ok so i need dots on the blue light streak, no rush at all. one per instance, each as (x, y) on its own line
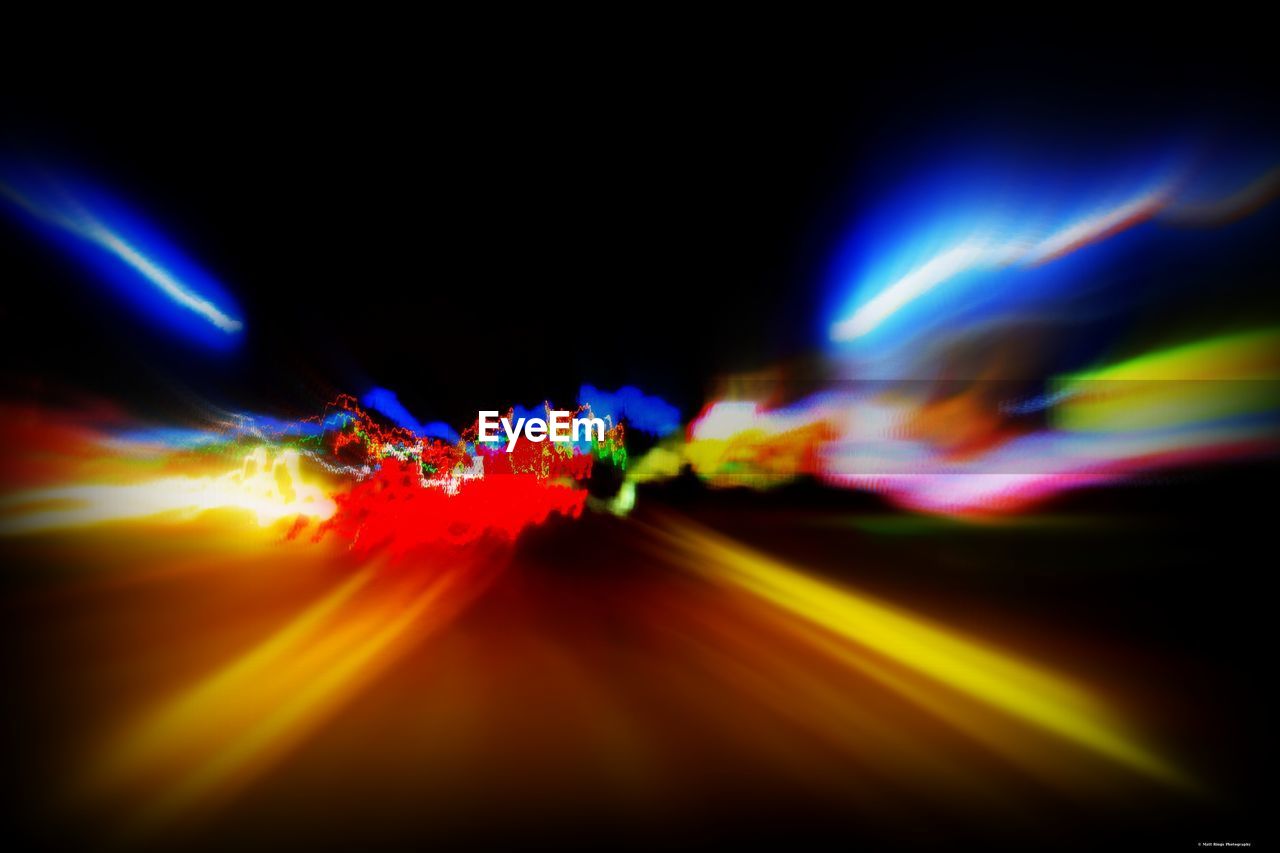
(125, 251)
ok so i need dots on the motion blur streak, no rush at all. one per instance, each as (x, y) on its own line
(271, 486)
(167, 284)
(214, 738)
(984, 251)
(1215, 379)
(1096, 227)
(1245, 355)
(915, 283)
(1229, 207)
(1023, 691)
(968, 449)
(54, 207)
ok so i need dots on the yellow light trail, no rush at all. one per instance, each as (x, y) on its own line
(1227, 376)
(1026, 692)
(200, 747)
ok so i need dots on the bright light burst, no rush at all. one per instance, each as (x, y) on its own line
(269, 485)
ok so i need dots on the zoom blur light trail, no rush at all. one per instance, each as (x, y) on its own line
(121, 248)
(982, 238)
(269, 485)
(1022, 691)
(976, 452)
(197, 747)
(382, 488)
(991, 253)
(1222, 379)
(395, 510)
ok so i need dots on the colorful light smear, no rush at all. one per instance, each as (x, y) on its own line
(941, 408)
(929, 447)
(416, 527)
(383, 488)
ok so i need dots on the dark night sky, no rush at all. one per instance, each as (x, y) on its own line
(474, 233)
